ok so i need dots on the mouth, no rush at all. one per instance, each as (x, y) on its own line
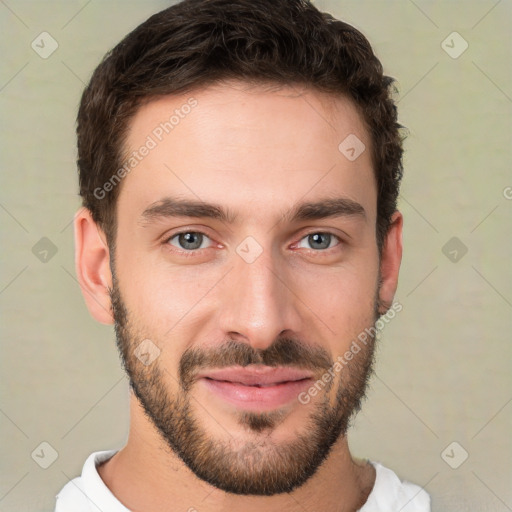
(256, 388)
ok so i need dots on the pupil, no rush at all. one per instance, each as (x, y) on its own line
(188, 240)
(317, 239)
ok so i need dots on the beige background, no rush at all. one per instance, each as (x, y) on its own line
(444, 370)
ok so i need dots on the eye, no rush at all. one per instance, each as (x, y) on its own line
(319, 240)
(188, 240)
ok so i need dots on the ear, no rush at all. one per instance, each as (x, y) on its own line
(92, 264)
(390, 262)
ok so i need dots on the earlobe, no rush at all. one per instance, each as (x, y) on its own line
(92, 264)
(391, 257)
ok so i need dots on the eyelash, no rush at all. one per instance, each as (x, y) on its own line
(191, 253)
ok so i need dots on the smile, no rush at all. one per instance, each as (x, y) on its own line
(256, 388)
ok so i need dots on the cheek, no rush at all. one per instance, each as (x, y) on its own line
(344, 299)
(165, 302)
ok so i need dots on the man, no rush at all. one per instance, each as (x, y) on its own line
(239, 166)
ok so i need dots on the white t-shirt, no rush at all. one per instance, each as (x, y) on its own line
(88, 493)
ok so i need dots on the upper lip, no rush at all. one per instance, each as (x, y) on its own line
(256, 375)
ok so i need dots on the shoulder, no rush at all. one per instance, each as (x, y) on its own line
(81, 493)
(389, 494)
(72, 497)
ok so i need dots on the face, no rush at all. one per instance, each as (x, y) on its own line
(246, 264)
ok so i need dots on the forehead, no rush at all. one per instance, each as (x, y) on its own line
(253, 148)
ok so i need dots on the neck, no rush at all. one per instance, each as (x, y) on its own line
(147, 475)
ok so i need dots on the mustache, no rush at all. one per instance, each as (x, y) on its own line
(283, 352)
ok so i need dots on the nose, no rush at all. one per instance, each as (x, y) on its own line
(258, 303)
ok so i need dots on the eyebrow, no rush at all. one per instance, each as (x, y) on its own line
(317, 210)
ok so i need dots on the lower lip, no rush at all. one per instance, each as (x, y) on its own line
(257, 398)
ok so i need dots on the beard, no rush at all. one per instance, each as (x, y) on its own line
(256, 465)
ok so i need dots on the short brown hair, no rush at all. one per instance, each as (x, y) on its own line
(197, 43)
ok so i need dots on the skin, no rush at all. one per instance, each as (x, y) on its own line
(258, 152)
